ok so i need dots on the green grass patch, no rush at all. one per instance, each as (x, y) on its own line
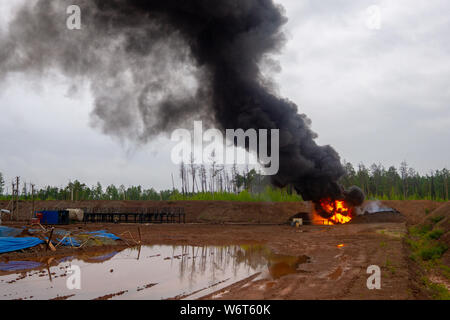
(390, 266)
(390, 233)
(420, 230)
(438, 291)
(432, 252)
(435, 234)
(436, 219)
(445, 270)
(269, 195)
(424, 243)
(426, 248)
(427, 251)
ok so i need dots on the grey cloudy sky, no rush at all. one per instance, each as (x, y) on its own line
(376, 95)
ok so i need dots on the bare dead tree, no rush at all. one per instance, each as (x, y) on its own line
(234, 173)
(193, 169)
(213, 170)
(227, 181)
(182, 176)
(247, 178)
(220, 178)
(203, 178)
(404, 176)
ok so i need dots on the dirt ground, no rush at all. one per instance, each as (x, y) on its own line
(338, 256)
(334, 271)
(414, 211)
(196, 211)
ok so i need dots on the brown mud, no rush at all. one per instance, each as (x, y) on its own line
(329, 262)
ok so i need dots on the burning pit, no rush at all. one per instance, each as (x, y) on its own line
(330, 211)
(334, 211)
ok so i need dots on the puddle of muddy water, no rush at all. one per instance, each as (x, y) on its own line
(148, 272)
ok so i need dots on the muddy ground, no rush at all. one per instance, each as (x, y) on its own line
(338, 255)
(334, 271)
(218, 211)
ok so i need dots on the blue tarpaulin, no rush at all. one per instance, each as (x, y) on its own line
(71, 241)
(9, 244)
(104, 234)
(9, 232)
(59, 236)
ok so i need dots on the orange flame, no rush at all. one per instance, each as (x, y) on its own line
(341, 213)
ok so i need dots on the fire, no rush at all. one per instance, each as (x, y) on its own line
(339, 211)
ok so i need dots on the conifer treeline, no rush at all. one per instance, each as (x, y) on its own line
(377, 182)
(397, 183)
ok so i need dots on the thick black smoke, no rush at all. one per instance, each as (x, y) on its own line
(153, 65)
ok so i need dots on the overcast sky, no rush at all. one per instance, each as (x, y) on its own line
(376, 93)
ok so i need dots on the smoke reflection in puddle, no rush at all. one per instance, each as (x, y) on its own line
(148, 272)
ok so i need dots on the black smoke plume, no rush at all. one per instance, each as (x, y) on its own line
(153, 65)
